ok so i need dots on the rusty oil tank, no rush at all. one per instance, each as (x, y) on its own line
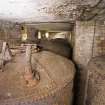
(54, 88)
(96, 82)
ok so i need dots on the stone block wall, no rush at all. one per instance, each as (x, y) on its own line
(83, 46)
(32, 33)
(10, 32)
(99, 39)
(83, 43)
(89, 42)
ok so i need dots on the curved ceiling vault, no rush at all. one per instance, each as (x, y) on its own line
(49, 10)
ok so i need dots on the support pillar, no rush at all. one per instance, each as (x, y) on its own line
(83, 49)
(29, 74)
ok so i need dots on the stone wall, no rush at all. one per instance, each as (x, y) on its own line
(83, 44)
(10, 32)
(99, 39)
(32, 33)
(89, 42)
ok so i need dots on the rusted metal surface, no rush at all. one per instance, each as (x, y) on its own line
(96, 82)
(55, 86)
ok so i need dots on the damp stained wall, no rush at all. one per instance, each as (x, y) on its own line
(89, 42)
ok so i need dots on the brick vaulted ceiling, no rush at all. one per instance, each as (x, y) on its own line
(51, 10)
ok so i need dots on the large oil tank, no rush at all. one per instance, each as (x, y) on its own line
(96, 82)
(58, 46)
(54, 88)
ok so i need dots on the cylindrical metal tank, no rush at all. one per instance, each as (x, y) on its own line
(96, 81)
(54, 88)
(58, 46)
